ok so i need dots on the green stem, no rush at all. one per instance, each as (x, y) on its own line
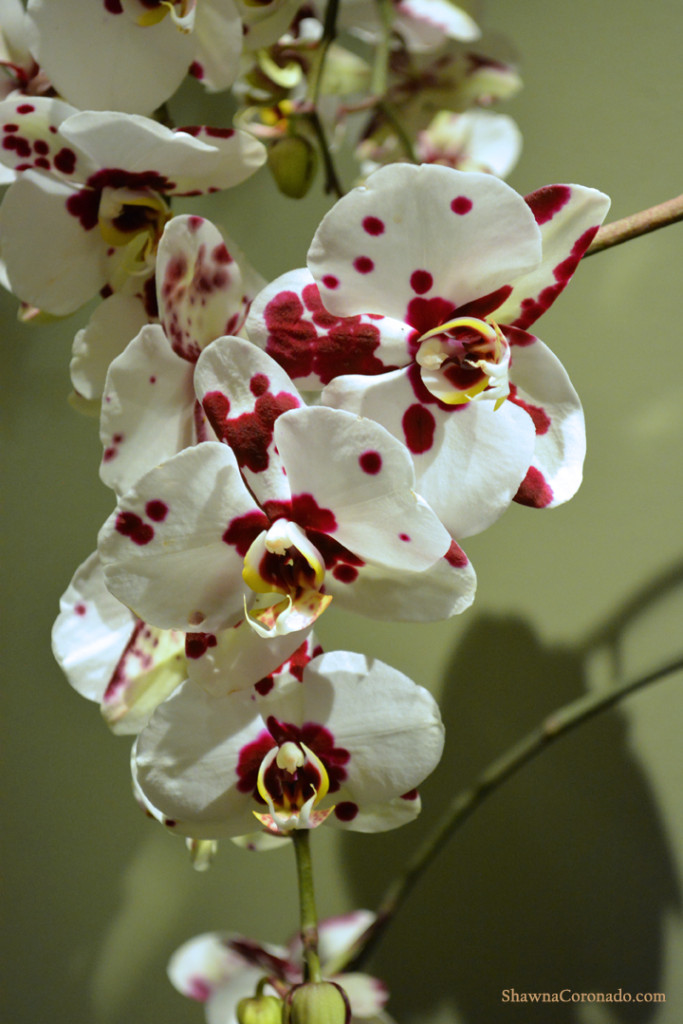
(380, 68)
(465, 803)
(332, 182)
(401, 134)
(637, 224)
(307, 911)
(329, 33)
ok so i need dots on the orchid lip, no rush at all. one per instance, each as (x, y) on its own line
(457, 370)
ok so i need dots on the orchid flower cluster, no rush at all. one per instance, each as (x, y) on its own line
(281, 449)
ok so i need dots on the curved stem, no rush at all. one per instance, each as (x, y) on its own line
(465, 803)
(307, 910)
(329, 33)
(637, 224)
(332, 182)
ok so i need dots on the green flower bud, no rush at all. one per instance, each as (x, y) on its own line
(292, 161)
(259, 1010)
(320, 1002)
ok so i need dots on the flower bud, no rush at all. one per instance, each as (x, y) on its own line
(259, 1010)
(320, 1002)
(292, 161)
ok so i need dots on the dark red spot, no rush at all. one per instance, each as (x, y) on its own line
(534, 490)
(373, 225)
(412, 794)
(220, 253)
(128, 524)
(84, 205)
(197, 644)
(242, 531)
(346, 346)
(540, 417)
(259, 384)
(80, 609)
(424, 314)
(363, 264)
(484, 306)
(220, 133)
(461, 205)
(194, 223)
(25, 108)
(305, 511)
(113, 6)
(370, 462)
(264, 685)
(40, 161)
(156, 510)
(421, 281)
(455, 556)
(330, 281)
(346, 810)
(547, 201)
(116, 177)
(10, 128)
(250, 434)
(40, 146)
(345, 573)
(196, 70)
(403, 536)
(418, 427)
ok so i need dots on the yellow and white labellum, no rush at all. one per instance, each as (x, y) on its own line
(296, 807)
(438, 350)
(182, 13)
(131, 223)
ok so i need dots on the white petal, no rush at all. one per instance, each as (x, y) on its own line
(362, 479)
(436, 236)
(569, 217)
(112, 325)
(287, 320)
(444, 590)
(218, 44)
(186, 761)
(399, 739)
(469, 460)
(121, 65)
(173, 551)
(243, 392)
(52, 261)
(199, 285)
(181, 162)
(147, 409)
(238, 659)
(110, 656)
(31, 138)
(544, 391)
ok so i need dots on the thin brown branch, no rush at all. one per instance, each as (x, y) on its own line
(637, 224)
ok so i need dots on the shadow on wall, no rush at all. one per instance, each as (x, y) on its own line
(560, 881)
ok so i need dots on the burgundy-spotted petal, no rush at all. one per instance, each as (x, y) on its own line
(173, 550)
(177, 162)
(469, 460)
(289, 321)
(148, 411)
(568, 217)
(542, 388)
(243, 393)
(431, 232)
(199, 285)
(364, 478)
(52, 260)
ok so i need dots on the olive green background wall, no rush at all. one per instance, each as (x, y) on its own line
(571, 876)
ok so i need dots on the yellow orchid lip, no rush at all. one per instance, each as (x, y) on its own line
(291, 806)
(182, 13)
(440, 354)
